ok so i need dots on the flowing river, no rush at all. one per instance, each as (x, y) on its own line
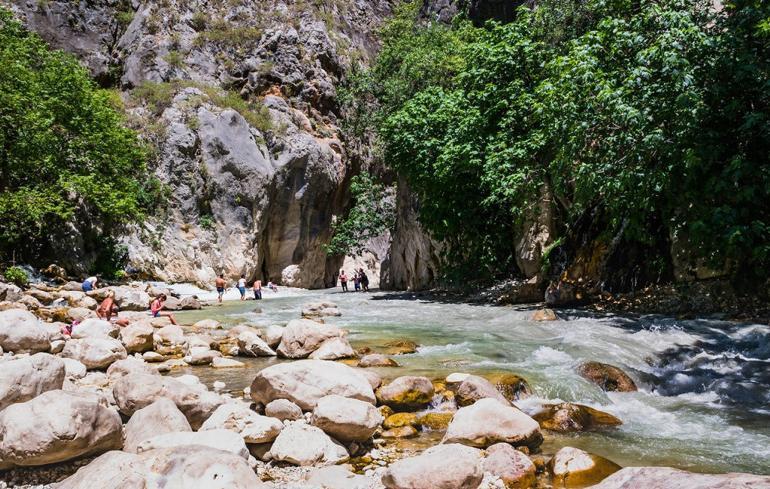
(704, 385)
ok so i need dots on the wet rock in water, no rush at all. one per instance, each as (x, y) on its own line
(608, 377)
(400, 347)
(488, 421)
(568, 417)
(190, 304)
(398, 420)
(56, 426)
(169, 340)
(153, 357)
(441, 467)
(208, 324)
(224, 440)
(23, 379)
(237, 417)
(400, 432)
(136, 391)
(283, 409)
(304, 382)
(250, 344)
(220, 362)
(376, 360)
(336, 477)
(456, 378)
(514, 468)
(129, 365)
(305, 445)
(406, 393)
(160, 417)
(301, 337)
(668, 478)
(137, 337)
(333, 349)
(193, 466)
(474, 388)
(320, 309)
(95, 353)
(346, 419)
(435, 421)
(511, 386)
(572, 467)
(22, 332)
(544, 315)
(95, 328)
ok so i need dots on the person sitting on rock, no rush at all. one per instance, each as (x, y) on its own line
(156, 308)
(108, 307)
(89, 284)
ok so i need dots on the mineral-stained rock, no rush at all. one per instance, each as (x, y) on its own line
(406, 393)
(572, 467)
(544, 315)
(567, 417)
(346, 419)
(400, 347)
(304, 445)
(398, 420)
(162, 416)
(376, 360)
(435, 421)
(400, 432)
(608, 377)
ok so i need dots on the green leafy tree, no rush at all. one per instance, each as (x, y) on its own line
(65, 155)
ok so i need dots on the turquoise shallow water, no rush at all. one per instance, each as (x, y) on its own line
(703, 402)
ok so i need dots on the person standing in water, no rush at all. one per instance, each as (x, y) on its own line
(356, 281)
(220, 283)
(343, 281)
(156, 308)
(242, 287)
(364, 280)
(257, 290)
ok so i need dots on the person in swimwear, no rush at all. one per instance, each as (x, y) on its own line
(220, 284)
(108, 308)
(156, 308)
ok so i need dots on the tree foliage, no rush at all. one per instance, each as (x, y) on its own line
(64, 151)
(649, 111)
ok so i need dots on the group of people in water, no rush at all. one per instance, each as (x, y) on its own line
(221, 284)
(359, 278)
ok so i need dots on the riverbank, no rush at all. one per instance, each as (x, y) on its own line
(665, 421)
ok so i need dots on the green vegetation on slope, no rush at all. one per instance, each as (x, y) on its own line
(649, 117)
(65, 156)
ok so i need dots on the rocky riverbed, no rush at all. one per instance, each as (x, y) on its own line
(240, 399)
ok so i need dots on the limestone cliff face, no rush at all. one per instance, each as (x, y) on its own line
(240, 99)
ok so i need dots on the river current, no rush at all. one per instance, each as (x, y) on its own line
(704, 385)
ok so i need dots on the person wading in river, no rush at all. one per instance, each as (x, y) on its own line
(343, 281)
(221, 284)
(364, 280)
(257, 290)
(242, 287)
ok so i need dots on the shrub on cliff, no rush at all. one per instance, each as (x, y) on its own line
(66, 157)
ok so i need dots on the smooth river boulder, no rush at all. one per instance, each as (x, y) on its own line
(252, 345)
(513, 467)
(283, 409)
(304, 382)
(572, 467)
(668, 478)
(376, 360)
(26, 378)
(160, 417)
(193, 466)
(130, 365)
(169, 340)
(320, 309)
(22, 332)
(488, 421)
(224, 440)
(305, 445)
(95, 328)
(301, 337)
(57, 426)
(333, 349)
(136, 391)
(441, 467)
(95, 353)
(568, 417)
(474, 388)
(137, 337)
(346, 419)
(237, 417)
(406, 393)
